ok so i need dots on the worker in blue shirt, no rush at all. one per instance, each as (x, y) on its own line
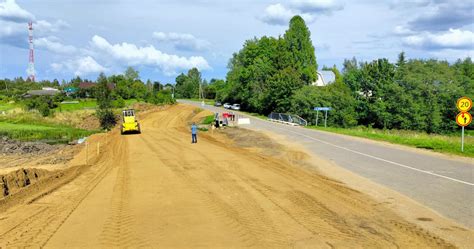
(194, 133)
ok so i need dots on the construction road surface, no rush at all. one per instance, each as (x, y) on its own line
(159, 190)
(443, 184)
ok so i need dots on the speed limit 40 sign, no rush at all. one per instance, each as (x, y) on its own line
(464, 104)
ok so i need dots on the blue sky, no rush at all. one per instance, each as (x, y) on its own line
(163, 38)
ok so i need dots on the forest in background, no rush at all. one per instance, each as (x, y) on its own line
(275, 75)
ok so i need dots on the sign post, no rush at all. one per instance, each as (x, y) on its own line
(464, 118)
(326, 109)
(317, 117)
(326, 119)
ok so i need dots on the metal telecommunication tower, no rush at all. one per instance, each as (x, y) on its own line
(31, 63)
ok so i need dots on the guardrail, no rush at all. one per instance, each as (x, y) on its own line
(286, 118)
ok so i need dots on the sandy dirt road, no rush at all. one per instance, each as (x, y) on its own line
(159, 190)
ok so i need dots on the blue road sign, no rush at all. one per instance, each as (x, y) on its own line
(322, 108)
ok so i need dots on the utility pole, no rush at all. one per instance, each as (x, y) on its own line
(31, 62)
(201, 94)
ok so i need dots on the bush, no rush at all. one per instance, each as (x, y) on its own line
(43, 104)
(162, 97)
(118, 102)
(44, 109)
(106, 118)
(208, 119)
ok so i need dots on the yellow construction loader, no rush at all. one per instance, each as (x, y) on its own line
(130, 123)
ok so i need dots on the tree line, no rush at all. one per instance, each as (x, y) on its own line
(110, 92)
(276, 74)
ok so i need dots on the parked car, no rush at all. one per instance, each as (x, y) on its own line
(217, 103)
(227, 106)
(235, 107)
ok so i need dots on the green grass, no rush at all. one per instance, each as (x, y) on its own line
(260, 116)
(44, 132)
(208, 120)
(447, 144)
(129, 102)
(82, 105)
(86, 104)
(5, 106)
(206, 101)
(203, 129)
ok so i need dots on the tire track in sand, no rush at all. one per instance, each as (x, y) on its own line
(243, 214)
(118, 228)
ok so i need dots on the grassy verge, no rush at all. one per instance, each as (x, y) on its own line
(208, 120)
(86, 104)
(32, 127)
(82, 105)
(256, 115)
(6, 106)
(42, 132)
(447, 144)
(206, 101)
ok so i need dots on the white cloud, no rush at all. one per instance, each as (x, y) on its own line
(182, 41)
(279, 14)
(452, 54)
(54, 45)
(408, 4)
(14, 25)
(9, 29)
(42, 27)
(316, 6)
(402, 30)
(149, 56)
(11, 11)
(452, 39)
(80, 66)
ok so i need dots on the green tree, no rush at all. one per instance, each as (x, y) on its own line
(131, 74)
(104, 103)
(187, 86)
(301, 50)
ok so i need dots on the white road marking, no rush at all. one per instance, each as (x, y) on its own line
(364, 154)
(378, 158)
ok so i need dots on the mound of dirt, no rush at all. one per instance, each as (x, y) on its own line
(14, 181)
(90, 122)
(9, 146)
(251, 139)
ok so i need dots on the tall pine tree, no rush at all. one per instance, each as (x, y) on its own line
(301, 50)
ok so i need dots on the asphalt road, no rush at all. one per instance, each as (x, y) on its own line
(444, 185)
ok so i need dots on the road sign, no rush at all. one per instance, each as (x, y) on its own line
(326, 109)
(463, 119)
(464, 104)
(322, 108)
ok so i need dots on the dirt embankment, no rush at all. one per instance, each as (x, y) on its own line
(15, 147)
(15, 154)
(13, 182)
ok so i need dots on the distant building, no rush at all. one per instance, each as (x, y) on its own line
(50, 89)
(325, 78)
(70, 90)
(88, 85)
(45, 91)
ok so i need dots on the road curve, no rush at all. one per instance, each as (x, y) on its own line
(442, 184)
